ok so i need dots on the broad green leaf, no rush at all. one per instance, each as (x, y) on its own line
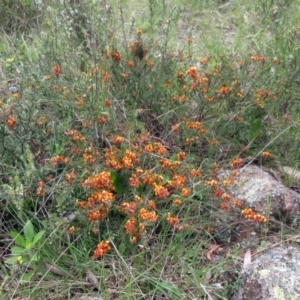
(118, 183)
(35, 257)
(254, 129)
(122, 248)
(17, 250)
(26, 258)
(12, 260)
(26, 277)
(37, 237)
(28, 232)
(166, 178)
(28, 246)
(18, 238)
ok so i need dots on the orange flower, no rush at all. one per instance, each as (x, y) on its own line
(176, 202)
(185, 192)
(251, 215)
(159, 148)
(168, 83)
(237, 163)
(139, 31)
(107, 103)
(148, 216)
(101, 249)
(138, 49)
(204, 60)
(237, 203)
(97, 215)
(101, 120)
(99, 181)
(151, 204)
(226, 197)
(56, 70)
(57, 160)
(211, 182)
(149, 63)
(81, 204)
(103, 197)
(117, 56)
(224, 206)
(70, 177)
(11, 122)
(134, 181)
(149, 148)
(224, 90)
(129, 208)
(217, 192)
(118, 140)
(175, 128)
(192, 72)
(71, 230)
(40, 191)
(266, 154)
(95, 230)
(173, 221)
(130, 226)
(161, 191)
(195, 173)
(181, 155)
(130, 63)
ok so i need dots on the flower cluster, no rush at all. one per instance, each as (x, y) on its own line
(102, 248)
(255, 217)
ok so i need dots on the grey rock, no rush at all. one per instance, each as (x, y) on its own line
(13, 89)
(273, 276)
(258, 190)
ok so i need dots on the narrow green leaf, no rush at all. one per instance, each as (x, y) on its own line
(56, 134)
(254, 129)
(294, 77)
(18, 238)
(28, 232)
(37, 237)
(166, 288)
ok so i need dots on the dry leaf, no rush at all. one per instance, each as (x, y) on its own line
(91, 278)
(247, 258)
(69, 218)
(291, 172)
(54, 270)
(208, 277)
(211, 251)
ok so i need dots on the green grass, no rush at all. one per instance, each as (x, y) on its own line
(118, 94)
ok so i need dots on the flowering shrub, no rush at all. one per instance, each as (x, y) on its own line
(135, 136)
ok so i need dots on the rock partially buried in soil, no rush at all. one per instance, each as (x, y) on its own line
(273, 276)
(258, 190)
